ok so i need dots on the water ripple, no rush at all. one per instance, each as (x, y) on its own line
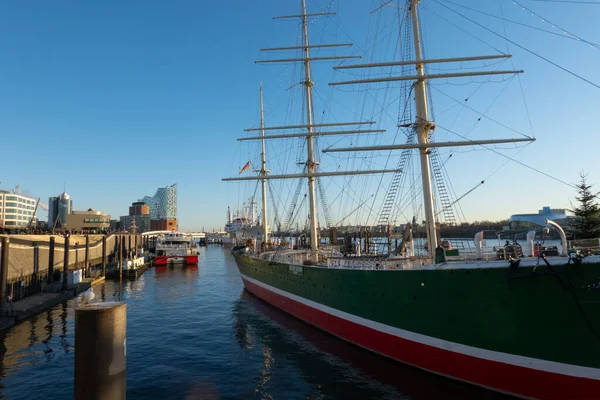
(193, 333)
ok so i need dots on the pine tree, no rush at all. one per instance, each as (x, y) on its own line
(586, 224)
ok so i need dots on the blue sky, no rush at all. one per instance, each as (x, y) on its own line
(116, 98)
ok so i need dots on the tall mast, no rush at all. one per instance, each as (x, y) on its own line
(310, 162)
(311, 129)
(263, 168)
(423, 126)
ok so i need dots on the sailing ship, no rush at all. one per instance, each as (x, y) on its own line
(242, 225)
(529, 327)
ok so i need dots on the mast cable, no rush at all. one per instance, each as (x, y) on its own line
(512, 159)
(572, 37)
(521, 47)
(566, 32)
(518, 76)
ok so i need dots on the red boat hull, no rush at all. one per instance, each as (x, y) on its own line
(187, 260)
(510, 379)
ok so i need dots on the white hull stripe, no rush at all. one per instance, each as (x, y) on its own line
(512, 359)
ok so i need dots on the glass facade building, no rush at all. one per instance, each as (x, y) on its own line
(16, 211)
(163, 205)
(58, 209)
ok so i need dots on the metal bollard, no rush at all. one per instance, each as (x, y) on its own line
(100, 351)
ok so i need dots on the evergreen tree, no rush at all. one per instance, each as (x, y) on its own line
(586, 224)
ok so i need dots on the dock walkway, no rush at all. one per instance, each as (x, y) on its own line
(34, 304)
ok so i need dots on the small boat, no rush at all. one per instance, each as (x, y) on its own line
(176, 248)
(134, 263)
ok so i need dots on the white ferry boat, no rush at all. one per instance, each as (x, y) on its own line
(176, 247)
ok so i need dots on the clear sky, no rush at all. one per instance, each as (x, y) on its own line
(116, 98)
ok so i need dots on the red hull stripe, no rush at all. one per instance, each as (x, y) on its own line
(162, 260)
(514, 379)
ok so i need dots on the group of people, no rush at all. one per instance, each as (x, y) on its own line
(39, 231)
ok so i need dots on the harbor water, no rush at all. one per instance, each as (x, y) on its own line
(194, 333)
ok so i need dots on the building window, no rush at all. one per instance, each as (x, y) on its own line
(11, 204)
(9, 198)
(10, 223)
(10, 211)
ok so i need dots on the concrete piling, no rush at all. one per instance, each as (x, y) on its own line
(4, 273)
(66, 264)
(51, 261)
(100, 351)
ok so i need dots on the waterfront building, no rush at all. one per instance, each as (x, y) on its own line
(558, 215)
(115, 225)
(58, 210)
(163, 209)
(88, 221)
(140, 211)
(16, 211)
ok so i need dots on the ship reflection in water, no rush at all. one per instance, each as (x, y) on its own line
(334, 368)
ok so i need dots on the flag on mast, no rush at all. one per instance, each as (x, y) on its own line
(245, 167)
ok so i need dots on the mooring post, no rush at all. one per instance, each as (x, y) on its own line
(104, 255)
(135, 249)
(100, 351)
(51, 261)
(4, 273)
(65, 276)
(86, 265)
(128, 246)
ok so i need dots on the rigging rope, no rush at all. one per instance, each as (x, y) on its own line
(519, 46)
(578, 38)
(518, 75)
(571, 37)
(512, 159)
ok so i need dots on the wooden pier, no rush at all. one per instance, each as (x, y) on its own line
(39, 271)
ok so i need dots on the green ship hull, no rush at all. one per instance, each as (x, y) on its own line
(529, 331)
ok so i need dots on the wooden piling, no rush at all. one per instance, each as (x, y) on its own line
(76, 255)
(86, 264)
(120, 256)
(4, 273)
(128, 246)
(100, 351)
(65, 276)
(51, 261)
(36, 264)
(104, 255)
